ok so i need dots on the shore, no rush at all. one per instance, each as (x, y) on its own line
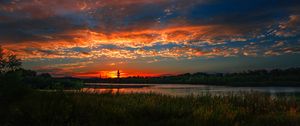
(77, 109)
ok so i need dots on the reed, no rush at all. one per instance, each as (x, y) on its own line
(80, 109)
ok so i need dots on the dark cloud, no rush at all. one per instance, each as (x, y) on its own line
(33, 51)
(85, 51)
(46, 20)
(36, 29)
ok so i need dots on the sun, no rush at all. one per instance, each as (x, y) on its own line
(111, 74)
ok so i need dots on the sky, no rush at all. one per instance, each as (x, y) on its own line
(89, 38)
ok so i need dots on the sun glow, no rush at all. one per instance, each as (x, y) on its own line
(114, 74)
(109, 74)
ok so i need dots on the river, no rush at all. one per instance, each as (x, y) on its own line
(184, 89)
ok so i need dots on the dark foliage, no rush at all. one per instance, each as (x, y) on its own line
(8, 62)
(46, 81)
(276, 77)
(13, 76)
(82, 109)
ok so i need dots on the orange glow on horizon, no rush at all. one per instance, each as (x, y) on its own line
(113, 74)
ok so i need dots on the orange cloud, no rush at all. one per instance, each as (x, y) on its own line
(136, 39)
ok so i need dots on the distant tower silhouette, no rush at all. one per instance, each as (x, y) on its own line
(118, 74)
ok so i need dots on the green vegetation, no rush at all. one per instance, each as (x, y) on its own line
(79, 109)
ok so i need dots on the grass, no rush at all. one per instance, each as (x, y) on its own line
(80, 109)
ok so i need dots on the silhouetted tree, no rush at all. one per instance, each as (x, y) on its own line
(8, 62)
(118, 74)
(262, 77)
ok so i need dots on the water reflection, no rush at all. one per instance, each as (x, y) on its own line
(184, 89)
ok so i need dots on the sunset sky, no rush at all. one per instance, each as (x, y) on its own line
(86, 38)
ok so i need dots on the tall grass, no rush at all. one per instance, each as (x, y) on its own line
(80, 109)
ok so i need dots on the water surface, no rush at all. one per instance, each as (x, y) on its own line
(183, 89)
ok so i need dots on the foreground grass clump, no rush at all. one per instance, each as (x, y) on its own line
(80, 109)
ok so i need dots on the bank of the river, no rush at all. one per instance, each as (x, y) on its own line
(61, 108)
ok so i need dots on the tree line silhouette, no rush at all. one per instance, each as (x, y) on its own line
(14, 77)
(263, 77)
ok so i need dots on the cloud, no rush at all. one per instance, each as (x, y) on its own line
(153, 29)
(291, 27)
(45, 20)
(278, 44)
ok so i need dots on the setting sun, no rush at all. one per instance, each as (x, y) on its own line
(109, 74)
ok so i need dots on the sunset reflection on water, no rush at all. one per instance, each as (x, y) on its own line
(183, 89)
(116, 90)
